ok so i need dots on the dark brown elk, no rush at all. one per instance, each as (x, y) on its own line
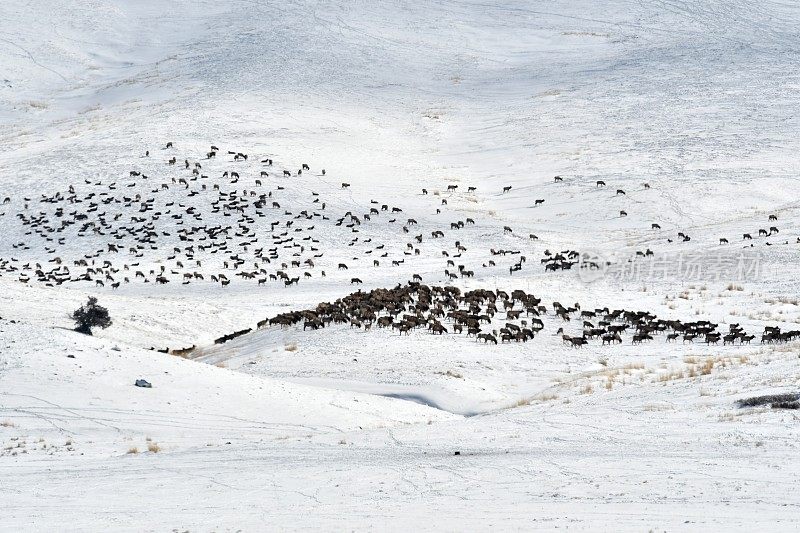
(487, 337)
(577, 342)
(437, 329)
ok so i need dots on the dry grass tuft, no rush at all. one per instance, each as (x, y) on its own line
(670, 376)
(657, 407)
(291, 347)
(730, 416)
(781, 299)
(633, 366)
(153, 447)
(546, 397)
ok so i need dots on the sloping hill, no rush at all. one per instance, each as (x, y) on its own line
(464, 146)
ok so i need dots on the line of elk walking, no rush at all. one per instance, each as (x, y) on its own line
(499, 317)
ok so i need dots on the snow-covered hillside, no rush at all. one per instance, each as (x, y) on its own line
(540, 174)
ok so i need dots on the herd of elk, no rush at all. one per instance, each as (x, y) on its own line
(497, 317)
(227, 212)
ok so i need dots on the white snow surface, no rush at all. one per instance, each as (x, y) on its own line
(288, 429)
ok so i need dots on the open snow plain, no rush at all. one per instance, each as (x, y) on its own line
(619, 153)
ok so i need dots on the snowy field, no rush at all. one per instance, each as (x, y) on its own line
(439, 149)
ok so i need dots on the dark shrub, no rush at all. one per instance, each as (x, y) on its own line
(91, 315)
(771, 399)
